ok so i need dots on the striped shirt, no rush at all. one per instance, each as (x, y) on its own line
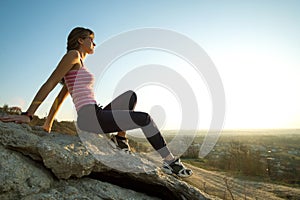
(80, 84)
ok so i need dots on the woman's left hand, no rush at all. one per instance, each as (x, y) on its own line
(46, 127)
(19, 119)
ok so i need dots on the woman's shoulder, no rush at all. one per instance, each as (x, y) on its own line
(73, 54)
(71, 57)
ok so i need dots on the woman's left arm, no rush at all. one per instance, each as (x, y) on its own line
(54, 108)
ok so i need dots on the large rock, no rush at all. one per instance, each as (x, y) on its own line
(20, 176)
(38, 165)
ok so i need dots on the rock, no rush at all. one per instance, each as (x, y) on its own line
(21, 176)
(38, 165)
(87, 188)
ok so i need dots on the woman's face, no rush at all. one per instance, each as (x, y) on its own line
(88, 44)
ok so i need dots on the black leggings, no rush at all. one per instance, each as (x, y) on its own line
(119, 116)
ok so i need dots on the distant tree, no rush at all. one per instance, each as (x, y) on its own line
(15, 110)
(192, 151)
(240, 158)
(5, 108)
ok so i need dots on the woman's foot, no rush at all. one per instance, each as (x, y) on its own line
(121, 142)
(176, 167)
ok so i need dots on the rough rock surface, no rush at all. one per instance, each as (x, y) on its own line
(38, 165)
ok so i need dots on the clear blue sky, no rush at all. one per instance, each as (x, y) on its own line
(255, 46)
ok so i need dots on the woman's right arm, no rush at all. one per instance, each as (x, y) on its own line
(67, 62)
(65, 65)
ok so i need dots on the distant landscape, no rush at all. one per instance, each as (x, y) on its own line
(245, 164)
(268, 156)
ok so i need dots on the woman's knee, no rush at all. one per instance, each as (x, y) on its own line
(129, 93)
(132, 99)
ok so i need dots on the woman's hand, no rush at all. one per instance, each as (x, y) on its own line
(47, 127)
(19, 119)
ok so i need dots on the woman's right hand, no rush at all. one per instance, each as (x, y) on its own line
(19, 119)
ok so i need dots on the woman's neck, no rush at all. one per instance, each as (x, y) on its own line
(82, 55)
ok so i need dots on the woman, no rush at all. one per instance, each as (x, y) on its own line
(118, 116)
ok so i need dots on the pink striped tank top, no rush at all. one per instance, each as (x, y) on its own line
(80, 84)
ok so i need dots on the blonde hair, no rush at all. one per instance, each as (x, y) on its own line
(75, 34)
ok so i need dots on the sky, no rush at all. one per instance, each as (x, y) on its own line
(254, 45)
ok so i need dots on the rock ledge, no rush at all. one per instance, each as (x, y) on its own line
(38, 165)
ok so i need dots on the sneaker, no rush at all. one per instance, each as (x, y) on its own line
(177, 168)
(121, 143)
